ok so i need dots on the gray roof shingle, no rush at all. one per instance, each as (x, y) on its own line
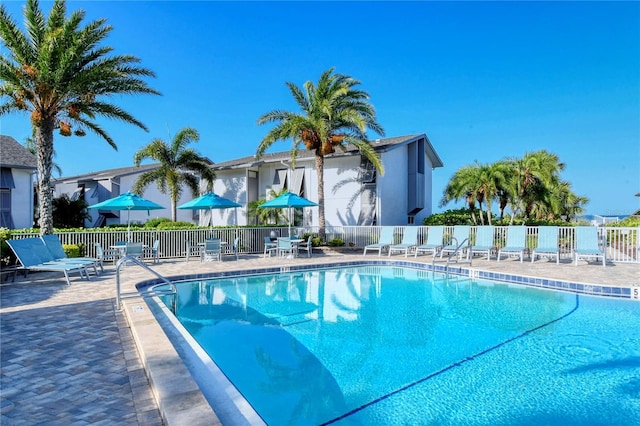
(14, 155)
(380, 145)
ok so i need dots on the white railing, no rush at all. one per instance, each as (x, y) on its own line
(622, 244)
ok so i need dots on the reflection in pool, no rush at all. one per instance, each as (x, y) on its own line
(389, 345)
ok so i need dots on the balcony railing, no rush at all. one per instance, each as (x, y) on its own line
(621, 244)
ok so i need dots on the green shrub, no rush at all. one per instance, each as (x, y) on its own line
(315, 240)
(71, 250)
(154, 223)
(449, 218)
(175, 225)
(629, 222)
(336, 242)
(7, 257)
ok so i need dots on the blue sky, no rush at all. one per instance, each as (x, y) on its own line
(484, 80)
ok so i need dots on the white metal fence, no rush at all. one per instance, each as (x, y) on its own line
(621, 244)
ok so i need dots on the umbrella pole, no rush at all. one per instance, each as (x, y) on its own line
(210, 222)
(129, 225)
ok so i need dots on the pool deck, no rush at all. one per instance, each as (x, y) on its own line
(69, 357)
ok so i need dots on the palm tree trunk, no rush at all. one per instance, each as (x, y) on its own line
(480, 213)
(44, 157)
(320, 172)
(471, 202)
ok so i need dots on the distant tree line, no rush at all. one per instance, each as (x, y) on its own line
(523, 189)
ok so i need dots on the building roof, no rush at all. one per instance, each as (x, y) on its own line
(381, 145)
(14, 155)
(107, 174)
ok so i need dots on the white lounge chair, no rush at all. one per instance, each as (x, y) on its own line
(516, 242)
(484, 242)
(386, 239)
(409, 241)
(459, 241)
(588, 245)
(547, 244)
(433, 245)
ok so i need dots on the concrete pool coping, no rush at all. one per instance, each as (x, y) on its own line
(179, 397)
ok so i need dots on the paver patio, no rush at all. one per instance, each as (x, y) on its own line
(68, 357)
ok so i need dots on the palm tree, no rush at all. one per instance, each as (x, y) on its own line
(58, 73)
(334, 114)
(463, 186)
(563, 203)
(266, 216)
(491, 181)
(530, 175)
(178, 165)
(30, 145)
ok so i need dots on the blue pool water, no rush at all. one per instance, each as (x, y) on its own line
(393, 346)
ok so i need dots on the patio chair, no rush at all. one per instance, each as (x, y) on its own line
(547, 244)
(484, 241)
(286, 246)
(107, 255)
(34, 256)
(135, 250)
(434, 241)
(386, 239)
(211, 250)
(409, 241)
(306, 246)
(154, 251)
(588, 244)
(233, 250)
(516, 242)
(270, 246)
(459, 241)
(54, 245)
(192, 250)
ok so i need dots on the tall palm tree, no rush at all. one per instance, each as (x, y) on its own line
(58, 73)
(530, 175)
(178, 165)
(334, 115)
(490, 178)
(30, 145)
(563, 203)
(463, 186)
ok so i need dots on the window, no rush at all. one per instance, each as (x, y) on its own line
(5, 209)
(297, 178)
(6, 178)
(279, 180)
(411, 220)
(367, 171)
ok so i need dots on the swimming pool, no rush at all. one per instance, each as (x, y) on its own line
(391, 345)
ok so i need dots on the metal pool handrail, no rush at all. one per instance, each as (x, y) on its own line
(458, 246)
(172, 288)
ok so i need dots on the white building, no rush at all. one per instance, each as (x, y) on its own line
(100, 186)
(354, 193)
(17, 175)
